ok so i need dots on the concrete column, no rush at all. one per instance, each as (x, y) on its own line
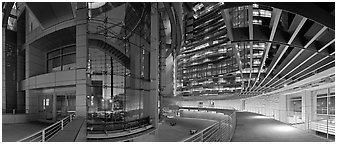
(283, 107)
(82, 81)
(54, 107)
(26, 63)
(3, 69)
(152, 108)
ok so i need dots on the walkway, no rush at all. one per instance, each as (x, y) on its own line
(18, 131)
(179, 132)
(70, 132)
(253, 127)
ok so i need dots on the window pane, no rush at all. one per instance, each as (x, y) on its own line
(54, 54)
(56, 64)
(68, 59)
(71, 49)
(69, 62)
(331, 105)
(321, 105)
(50, 65)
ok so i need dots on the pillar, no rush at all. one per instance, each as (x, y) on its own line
(3, 69)
(283, 108)
(307, 107)
(54, 107)
(152, 108)
(82, 80)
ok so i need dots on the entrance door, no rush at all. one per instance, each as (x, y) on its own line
(46, 107)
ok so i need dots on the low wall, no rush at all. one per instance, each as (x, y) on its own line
(217, 103)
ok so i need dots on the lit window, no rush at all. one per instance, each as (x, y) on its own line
(93, 5)
(47, 102)
(255, 6)
(257, 22)
(255, 13)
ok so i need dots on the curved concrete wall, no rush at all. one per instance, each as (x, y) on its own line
(54, 79)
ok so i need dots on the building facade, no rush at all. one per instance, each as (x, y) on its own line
(97, 60)
(113, 63)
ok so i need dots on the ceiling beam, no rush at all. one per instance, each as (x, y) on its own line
(251, 37)
(316, 53)
(310, 79)
(309, 73)
(293, 58)
(295, 31)
(273, 25)
(282, 83)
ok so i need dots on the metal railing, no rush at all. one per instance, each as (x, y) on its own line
(114, 127)
(47, 133)
(221, 131)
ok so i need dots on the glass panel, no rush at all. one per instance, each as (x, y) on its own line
(56, 64)
(68, 59)
(45, 102)
(50, 65)
(67, 50)
(69, 62)
(331, 105)
(54, 54)
(65, 101)
(322, 105)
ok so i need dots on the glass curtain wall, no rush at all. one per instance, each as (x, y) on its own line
(116, 102)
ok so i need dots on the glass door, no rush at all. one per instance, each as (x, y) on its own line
(65, 101)
(46, 106)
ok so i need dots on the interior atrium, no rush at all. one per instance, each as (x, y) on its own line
(168, 71)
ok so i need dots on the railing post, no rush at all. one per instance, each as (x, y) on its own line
(202, 136)
(43, 135)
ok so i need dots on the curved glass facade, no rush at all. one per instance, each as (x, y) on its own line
(118, 91)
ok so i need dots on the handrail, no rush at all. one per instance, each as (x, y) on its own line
(187, 139)
(220, 131)
(127, 125)
(40, 136)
